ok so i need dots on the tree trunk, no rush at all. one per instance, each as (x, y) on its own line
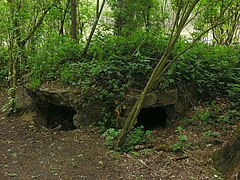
(12, 77)
(84, 54)
(119, 18)
(74, 26)
(61, 29)
(160, 68)
(16, 48)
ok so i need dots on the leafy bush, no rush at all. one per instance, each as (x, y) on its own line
(110, 136)
(108, 80)
(108, 72)
(135, 137)
(115, 64)
(214, 70)
(182, 140)
(140, 43)
(44, 64)
(215, 113)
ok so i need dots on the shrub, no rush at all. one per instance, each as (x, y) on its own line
(214, 70)
(135, 137)
(44, 64)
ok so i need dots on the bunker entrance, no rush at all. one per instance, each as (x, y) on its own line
(58, 115)
(152, 118)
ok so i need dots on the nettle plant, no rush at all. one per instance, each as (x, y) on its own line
(214, 72)
(219, 112)
(45, 63)
(182, 140)
(137, 137)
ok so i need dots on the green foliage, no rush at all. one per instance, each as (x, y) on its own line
(110, 135)
(46, 61)
(205, 116)
(139, 42)
(211, 134)
(115, 65)
(136, 137)
(182, 140)
(234, 91)
(214, 72)
(215, 113)
(214, 11)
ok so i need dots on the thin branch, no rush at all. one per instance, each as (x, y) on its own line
(38, 24)
(84, 54)
(191, 45)
(199, 11)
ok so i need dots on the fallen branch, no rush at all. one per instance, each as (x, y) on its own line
(180, 158)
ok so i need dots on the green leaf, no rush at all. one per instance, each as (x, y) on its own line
(183, 138)
(148, 132)
(12, 174)
(177, 146)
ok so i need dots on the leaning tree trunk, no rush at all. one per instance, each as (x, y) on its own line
(98, 15)
(181, 21)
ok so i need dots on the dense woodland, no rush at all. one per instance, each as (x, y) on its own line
(108, 47)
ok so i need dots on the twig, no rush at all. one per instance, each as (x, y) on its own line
(193, 157)
(142, 162)
(180, 158)
(76, 137)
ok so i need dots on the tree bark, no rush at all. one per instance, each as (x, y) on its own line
(61, 29)
(74, 26)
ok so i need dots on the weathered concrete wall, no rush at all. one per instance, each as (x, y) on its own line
(62, 96)
(174, 102)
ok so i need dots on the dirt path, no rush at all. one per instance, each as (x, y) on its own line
(30, 153)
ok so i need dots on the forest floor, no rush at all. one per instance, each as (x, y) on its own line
(27, 152)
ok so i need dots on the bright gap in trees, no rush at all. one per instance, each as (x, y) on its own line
(152, 118)
(58, 115)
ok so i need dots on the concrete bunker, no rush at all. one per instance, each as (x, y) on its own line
(59, 105)
(55, 115)
(152, 117)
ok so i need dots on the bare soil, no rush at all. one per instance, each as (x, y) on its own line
(27, 152)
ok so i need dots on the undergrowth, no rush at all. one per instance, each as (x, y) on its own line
(137, 136)
(115, 65)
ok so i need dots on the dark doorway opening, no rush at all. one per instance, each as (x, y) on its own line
(152, 118)
(58, 115)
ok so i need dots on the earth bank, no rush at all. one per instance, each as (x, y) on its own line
(29, 152)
